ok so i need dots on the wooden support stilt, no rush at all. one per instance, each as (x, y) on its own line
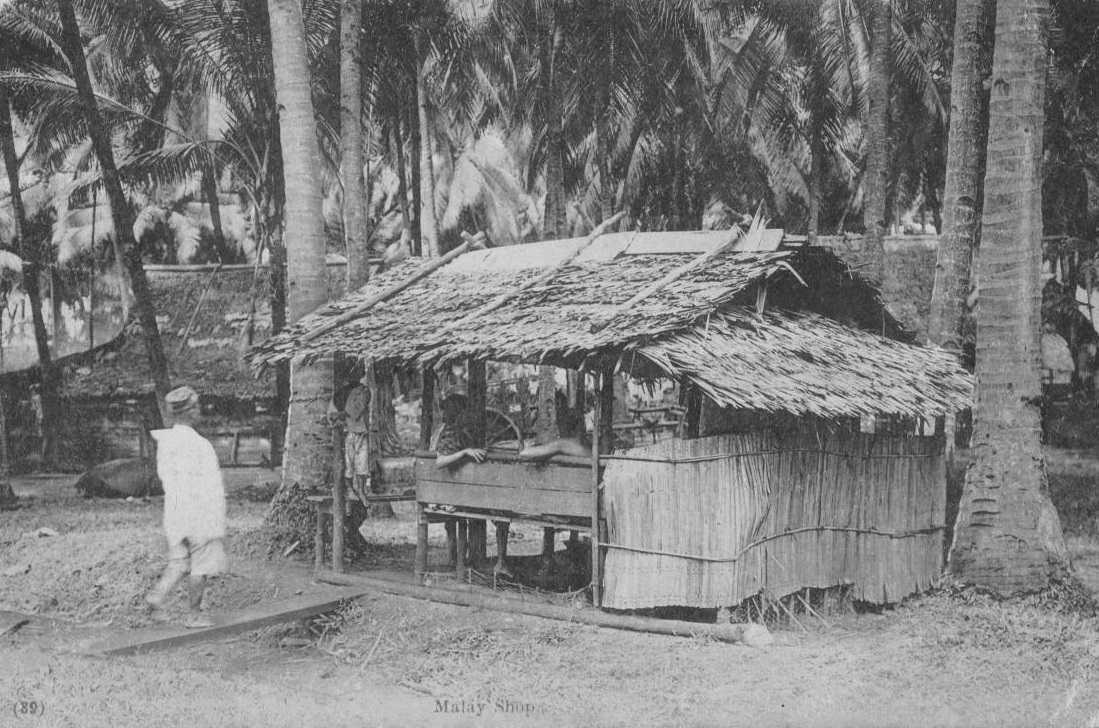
(547, 547)
(606, 413)
(477, 393)
(427, 424)
(339, 494)
(601, 439)
(809, 608)
(427, 407)
(460, 533)
(318, 543)
(451, 526)
(421, 543)
(692, 399)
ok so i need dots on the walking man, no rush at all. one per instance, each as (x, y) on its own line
(194, 507)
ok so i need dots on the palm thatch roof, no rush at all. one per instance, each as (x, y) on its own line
(574, 317)
(805, 363)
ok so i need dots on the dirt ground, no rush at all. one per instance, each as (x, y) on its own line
(952, 658)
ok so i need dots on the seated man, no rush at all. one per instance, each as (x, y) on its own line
(455, 447)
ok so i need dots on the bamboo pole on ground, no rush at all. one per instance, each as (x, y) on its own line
(733, 633)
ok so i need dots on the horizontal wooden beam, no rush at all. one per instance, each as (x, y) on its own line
(515, 500)
(512, 475)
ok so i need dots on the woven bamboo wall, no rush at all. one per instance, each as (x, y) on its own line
(712, 521)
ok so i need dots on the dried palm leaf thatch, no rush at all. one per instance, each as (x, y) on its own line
(701, 314)
(547, 322)
(806, 364)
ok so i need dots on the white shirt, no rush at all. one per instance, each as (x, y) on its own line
(194, 493)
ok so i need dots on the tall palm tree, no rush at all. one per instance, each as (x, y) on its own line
(31, 272)
(791, 84)
(356, 238)
(878, 140)
(305, 458)
(120, 209)
(1008, 537)
(595, 83)
(964, 168)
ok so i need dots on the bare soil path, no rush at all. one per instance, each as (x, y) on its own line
(940, 660)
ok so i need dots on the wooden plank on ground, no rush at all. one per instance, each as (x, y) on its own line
(226, 624)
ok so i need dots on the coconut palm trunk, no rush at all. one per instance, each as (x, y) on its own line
(402, 182)
(351, 145)
(121, 213)
(429, 225)
(554, 220)
(964, 170)
(878, 142)
(1008, 537)
(305, 459)
(31, 270)
(555, 225)
(816, 170)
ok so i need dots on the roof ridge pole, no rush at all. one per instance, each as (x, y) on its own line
(356, 311)
(673, 276)
(532, 282)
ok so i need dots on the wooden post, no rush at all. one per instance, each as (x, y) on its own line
(339, 495)
(477, 395)
(427, 424)
(427, 407)
(547, 548)
(421, 543)
(601, 439)
(460, 533)
(605, 416)
(692, 400)
(318, 541)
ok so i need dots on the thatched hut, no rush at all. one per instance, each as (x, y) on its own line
(784, 356)
(208, 316)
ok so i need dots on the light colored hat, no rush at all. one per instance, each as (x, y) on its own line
(180, 400)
